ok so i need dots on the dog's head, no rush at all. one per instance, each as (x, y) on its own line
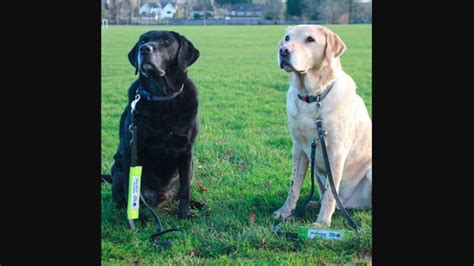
(158, 52)
(304, 47)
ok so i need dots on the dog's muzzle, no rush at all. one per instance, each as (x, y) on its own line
(147, 67)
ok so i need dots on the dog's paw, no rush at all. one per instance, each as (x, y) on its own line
(321, 224)
(185, 216)
(184, 213)
(197, 205)
(282, 213)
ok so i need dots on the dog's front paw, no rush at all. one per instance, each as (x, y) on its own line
(185, 216)
(321, 223)
(282, 213)
(197, 205)
(184, 213)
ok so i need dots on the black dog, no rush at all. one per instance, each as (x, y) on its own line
(166, 118)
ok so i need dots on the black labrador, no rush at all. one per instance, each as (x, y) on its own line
(165, 104)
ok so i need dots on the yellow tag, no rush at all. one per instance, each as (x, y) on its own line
(134, 192)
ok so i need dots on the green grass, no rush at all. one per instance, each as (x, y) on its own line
(242, 153)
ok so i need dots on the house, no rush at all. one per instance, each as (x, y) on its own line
(245, 11)
(150, 10)
(199, 11)
(169, 10)
(158, 10)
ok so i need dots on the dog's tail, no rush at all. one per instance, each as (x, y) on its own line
(106, 179)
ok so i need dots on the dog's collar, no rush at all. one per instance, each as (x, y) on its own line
(316, 98)
(153, 98)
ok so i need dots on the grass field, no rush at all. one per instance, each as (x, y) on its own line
(242, 153)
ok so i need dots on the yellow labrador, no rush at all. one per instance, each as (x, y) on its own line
(310, 53)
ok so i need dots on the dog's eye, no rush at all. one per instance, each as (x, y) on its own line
(165, 41)
(144, 40)
(287, 38)
(310, 39)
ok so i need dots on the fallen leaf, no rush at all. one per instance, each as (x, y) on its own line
(201, 188)
(252, 217)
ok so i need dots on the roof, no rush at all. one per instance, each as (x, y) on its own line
(201, 8)
(166, 3)
(152, 5)
(246, 7)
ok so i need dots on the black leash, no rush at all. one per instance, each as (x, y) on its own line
(155, 238)
(321, 134)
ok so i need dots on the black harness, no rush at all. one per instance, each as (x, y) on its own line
(142, 93)
(320, 138)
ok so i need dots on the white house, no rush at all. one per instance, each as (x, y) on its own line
(168, 11)
(150, 9)
(157, 11)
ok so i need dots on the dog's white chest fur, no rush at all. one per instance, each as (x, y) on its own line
(301, 122)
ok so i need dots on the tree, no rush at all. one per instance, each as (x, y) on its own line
(294, 7)
(274, 10)
(361, 12)
(310, 9)
(232, 2)
(332, 11)
(113, 9)
(130, 10)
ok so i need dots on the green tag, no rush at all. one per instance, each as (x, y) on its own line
(134, 192)
(302, 232)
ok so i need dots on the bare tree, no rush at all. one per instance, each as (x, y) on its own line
(114, 10)
(361, 12)
(133, 9)
(311, 9)
(130, 10)
(274, 9)
(350, 7)
(333, 11)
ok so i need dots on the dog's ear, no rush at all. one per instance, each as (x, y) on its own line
(335, 47)
(187, 53)
(132, 57)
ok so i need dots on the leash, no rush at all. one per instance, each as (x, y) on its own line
(155, 238)
(321, 134)
(320, 137)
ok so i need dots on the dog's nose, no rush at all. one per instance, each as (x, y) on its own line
(146, 49)
(284, 51)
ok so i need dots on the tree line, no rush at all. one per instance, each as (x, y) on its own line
(330, 11)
